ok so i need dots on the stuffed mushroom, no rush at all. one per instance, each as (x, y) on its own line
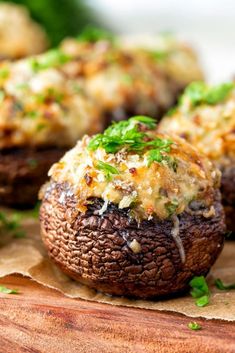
(205, 117)
(126, 80)
(20, 35)
(42, 115)
(132, 212)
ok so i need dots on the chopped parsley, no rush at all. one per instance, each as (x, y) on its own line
(200, 93)
(129, 135)
(4, 73)
(220, 285)
(156, 154)
(171, 207)
(160, 55)
(11, 224)
(194, 326)
(93, 34)
(32, 163)
(6, 290)
(2, 96)
(53, 58)
(108, 169)
(200, 290)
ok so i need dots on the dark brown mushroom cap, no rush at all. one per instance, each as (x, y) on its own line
(96, 249)
(228, 194)
(22, 172)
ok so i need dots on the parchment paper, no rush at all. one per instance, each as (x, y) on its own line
(27, 256)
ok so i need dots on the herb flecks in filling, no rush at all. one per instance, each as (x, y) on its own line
(134, 167)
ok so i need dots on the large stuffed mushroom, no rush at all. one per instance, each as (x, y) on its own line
(205, 117)
(132, 212)
(42, 114)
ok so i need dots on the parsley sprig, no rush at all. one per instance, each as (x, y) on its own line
(194, 326)
(6, 290)
(11, 225)
(108, 169)
(129, 135)
(93, 34)
(200, 93)
(53, 58)
(200, 290)
(220, 285)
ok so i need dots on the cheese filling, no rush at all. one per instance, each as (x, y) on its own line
(129, 179)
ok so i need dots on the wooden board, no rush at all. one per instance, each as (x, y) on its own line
(40, 320)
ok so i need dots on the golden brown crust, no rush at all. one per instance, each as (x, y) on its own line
(20, 35)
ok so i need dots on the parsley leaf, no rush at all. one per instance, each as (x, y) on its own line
(199, 93)
(53, 58)
(171, 207)
(93, 34)
(12, 224)
(157, 154)
(194, 326)
(108, 169)
(129, 134)
(6, 290)
(200, 290)
(160, 55)
(4, 73)
(220, 285)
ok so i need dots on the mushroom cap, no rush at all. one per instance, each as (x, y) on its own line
(22, 173)
(116, 255)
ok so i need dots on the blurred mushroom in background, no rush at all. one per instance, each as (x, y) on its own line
(20, 36)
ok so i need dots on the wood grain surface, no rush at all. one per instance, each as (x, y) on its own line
(40, 320)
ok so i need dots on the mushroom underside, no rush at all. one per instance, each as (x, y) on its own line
(22, 172)
(113, 254)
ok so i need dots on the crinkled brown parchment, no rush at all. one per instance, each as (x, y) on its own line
(27, 256)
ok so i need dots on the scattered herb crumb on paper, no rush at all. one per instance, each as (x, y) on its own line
(27, 256)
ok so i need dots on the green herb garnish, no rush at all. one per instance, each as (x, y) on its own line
(108, 169)
(4, 73)
(2, 96)
(11, 224)
(157, 153)
(93, 34)
(199, 93)
(160, 55)
(6, 290)
(32, 163)
(194, 326)
(127, 134)
(171, 207)
(53, 58)
(41, 127)
(200, 290)
(220, 285)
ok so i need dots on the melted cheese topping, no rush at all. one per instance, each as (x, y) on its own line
(20, 36)
(120, 78)
(174, 56)
(55, 103)
(149, 190)
(210, 128)
(43, 108)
